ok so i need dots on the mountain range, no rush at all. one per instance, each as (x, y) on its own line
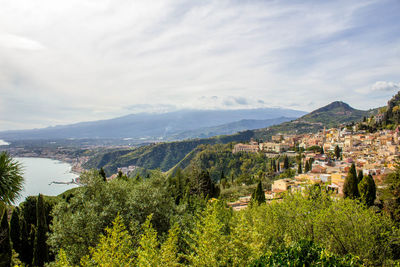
(176, 125)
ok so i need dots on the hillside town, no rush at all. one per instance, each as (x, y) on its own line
(374, 154)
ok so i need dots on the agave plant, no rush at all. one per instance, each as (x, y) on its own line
(11, 179)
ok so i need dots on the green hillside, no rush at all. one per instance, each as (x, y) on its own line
(389, 115)
(161, 156)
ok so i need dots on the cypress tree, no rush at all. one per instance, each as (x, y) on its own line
(5, 246)
(206, 186)
(273, 165)
(337, 152)
(40, 251)
(15, 230)
(258, 195)
(307, 167)
(350, 187)
(367, 189)
(103, 174)
(299, 169)
(32, 235)
(286, 162)
(354, 171)
(360, 176)
(25, 254)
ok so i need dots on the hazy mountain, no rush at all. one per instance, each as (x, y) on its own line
(150, 125)
(229, 128)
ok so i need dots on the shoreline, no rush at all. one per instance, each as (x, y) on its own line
(73, 169)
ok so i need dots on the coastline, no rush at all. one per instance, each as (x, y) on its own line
(47, 176)
(75, 166)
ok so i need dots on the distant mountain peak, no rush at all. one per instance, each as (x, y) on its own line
(334, 106)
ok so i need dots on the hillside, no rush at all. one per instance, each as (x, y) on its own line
(334, 114)
(167, 155)
(152, 126)
(161, 156)
(389, 116)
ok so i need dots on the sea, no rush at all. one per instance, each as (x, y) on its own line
(39, 173)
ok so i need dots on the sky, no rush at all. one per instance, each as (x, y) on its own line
(65, 61)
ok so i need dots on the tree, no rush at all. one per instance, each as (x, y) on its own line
(11, 179)
(367, 189)
(360, 176)
(15, 230)
(114, 248)
(148, 253)
(307, 166)
(40, 250)
(304, 253)
(286, 162)
(258, 195)
(354, 171)
(210, 243)
(273, 165)
(299, 168)
(103, 174)
(391, 194)
(203, 185)
(350, 187)
(338, 152)
(5, 246)
(169, 249)
(25, 255)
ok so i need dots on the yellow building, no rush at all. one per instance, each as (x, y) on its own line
(338, 178)
(283, 184)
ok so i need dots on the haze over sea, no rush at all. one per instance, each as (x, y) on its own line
(40, 172)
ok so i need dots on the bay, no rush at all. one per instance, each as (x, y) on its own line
(39, 173)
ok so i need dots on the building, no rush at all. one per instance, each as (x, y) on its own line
(283, 184)
(274, 147)
(245, 148)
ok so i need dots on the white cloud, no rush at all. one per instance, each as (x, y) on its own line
(19, 42)
(383, 86)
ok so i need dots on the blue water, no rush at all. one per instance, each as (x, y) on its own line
(40, 172)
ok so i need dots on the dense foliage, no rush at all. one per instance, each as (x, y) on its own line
(5, 245)
(94, 207)
(304, 253)
(139, 223)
